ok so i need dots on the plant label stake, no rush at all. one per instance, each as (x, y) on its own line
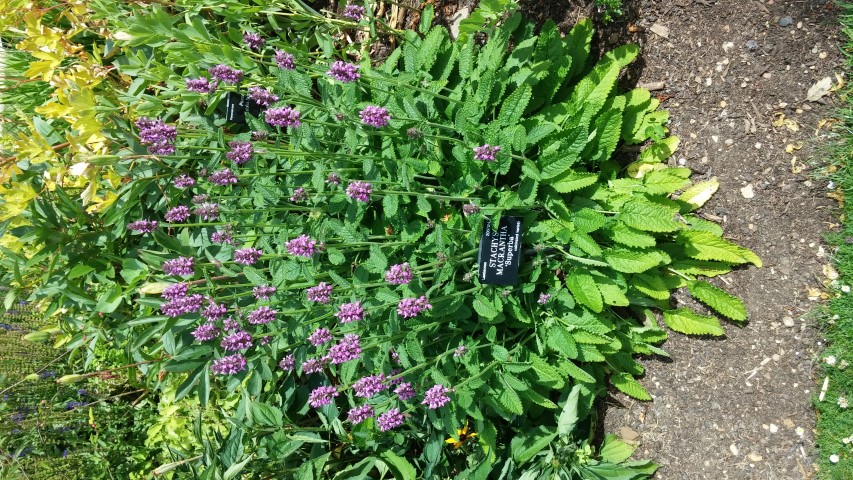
(500, 252)
(236, 106)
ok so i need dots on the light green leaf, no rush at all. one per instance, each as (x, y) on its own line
(629, 386)
(583, 288)
(621, 233)
(649, 217)
(484, 307)
(399, 466)
(667, 180)
(510, 400)
(687, 321)
(698, 194)
(569, 415)
(634, 261)
(513, 107)
(577, 372)
(561, 341)
(707, 246)
(722, 302)
(571, 181)
(614, 450)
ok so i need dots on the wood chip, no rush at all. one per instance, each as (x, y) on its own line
(660, 30)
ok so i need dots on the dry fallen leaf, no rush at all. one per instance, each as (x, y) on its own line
(786, 122)
(791, 147)
(819, 89)
(830, 272)
(659, 29)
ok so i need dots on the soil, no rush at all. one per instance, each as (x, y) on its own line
(736, 74)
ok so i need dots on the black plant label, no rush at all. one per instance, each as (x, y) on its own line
(500, 252)
(237, 105)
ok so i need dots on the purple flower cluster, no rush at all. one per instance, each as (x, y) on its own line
(200, 198)
(143, 226)
(178, 214)
(229, 365)
(350, 312)
(374, 116)
(175, 291)
(224, 237)
(262, 96)
(353, 12)
(226, 74)
(333, 179)
(322, 396)
(344, 72)
(320, 293)
(247, 256)
(320, 336)
(399, 274)
(180, 306)
(230, 324)
(390, 419)
(262, 315)
(543, 298)
(254, 41)
(284, 60)
(239, 340)
(348, 348)
(301, 246)
(360, 414)
(287, 363)
(411, 307)
(223, 177)
(179, 266)
(460, 351)
(436, 397)
(205, 332)
(214, 311)
(369, 386)
(405, 391)
(240, 153)
(282, 117)
(312, 365)
(201, 85)
(183, 181)
(486, 153)
(207, 211)
(159, 137)
(298, 195)
(263, 292)
(470, 209)
(359, 191)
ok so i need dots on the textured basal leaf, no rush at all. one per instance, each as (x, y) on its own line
(577, 372)
(513, 107)
(660, 151)
(577, 44)
(561, 341)
(510, 400)
(571, 181)
(649, 217)
(529, 169)
(390, 203)
(484, 87)
(546, 374)
(584, 290)
(484, 307)
(608, 127)
(697, 223)
(700, 267)
(687, 321)
(466, 58)
(592, 92)
(588, 220)
(586, 243)
(719, 300)
(651, 284)
(527, 191)
(698, 194)
(514, 382)
(621, 233)
(590, 353)
(571, 144)
(623, 55)
(612, 294)
(535, 397)
(666, 181)
(654, 119)
(627, 385)
(538, 129)
(637, 103)
(707, 246)
(634, 261)
(587, 338)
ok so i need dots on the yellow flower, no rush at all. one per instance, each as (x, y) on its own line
(462, 436)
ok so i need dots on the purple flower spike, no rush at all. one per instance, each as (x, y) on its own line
(254, 41)
(262, 96)
(369, 386)
(411, 307)
(175, 291)
(262, 315)
(287, 363)
(214, 311)
(390, 419)
(239, 340)
(436, 397)
(207, 211)
(180, 266)
(320, 336)
(360, 414)
(350, 312)
(348, 348)
(333, 179)
(375, 116)
(486, 153)
(344, 72)
(226, 74)
(354, 12)
(405, 391)
(301, 246)
(470, 209)
(223, 177)
(322, 396)
(263, 292)
(159, 137)
(282, 117)
(229, 365)
(284, 60)
(320, 293)
(247, 256)
(312, 365)
(543, 298)
(183, 181)
(178, 214)
(205, 332)
(201, 85)
(180, 306)
(143, 226)
(460, 351)
(359, 191)
(298, 195)
(399, 274)
(240, 153)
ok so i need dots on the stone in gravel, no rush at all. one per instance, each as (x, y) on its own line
(660, 30)
(774, 428)
(754, 457)
(788, 321)
(786, 21)
(747, 191)
(733, 448)
(751, 45)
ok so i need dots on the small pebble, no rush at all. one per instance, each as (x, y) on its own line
(786, 21)
(752, 45)
(774, 428)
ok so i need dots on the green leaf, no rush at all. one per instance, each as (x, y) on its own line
(583, 288)
(528, 445)
(577, 372)
(612, 293)
(389, 205)
(649, 217)
(629, 386)
(586, 243)
(707, 246)
(614, 450)
(567, 147)
(546, 374)
(537, 398)
(484, 307)
(687, 321)
(510, 400)
(399, 466)
(651, 284)
(621, 233)
(561, 341)
(569, 415)
(634, 261)
(513, 107)
(571, 181)
(667, 180)
(721, 301)
(698, 194)
(266, 415)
